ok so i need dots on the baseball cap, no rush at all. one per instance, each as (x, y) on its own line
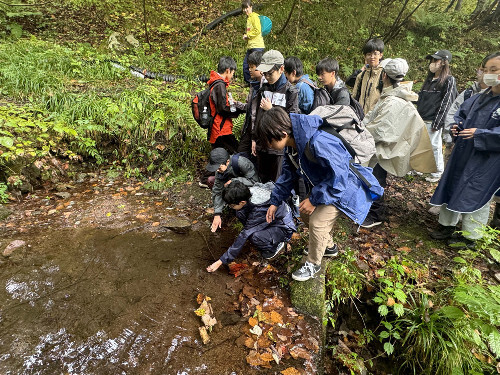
(218, 156)
(440, 55)
(395, 68)
(269, 60)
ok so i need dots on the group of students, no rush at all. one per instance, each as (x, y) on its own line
(284, 152)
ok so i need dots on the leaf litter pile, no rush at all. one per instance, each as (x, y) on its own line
(274, 334)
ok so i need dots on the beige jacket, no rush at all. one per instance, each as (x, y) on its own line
(401, 138)
(365, 91)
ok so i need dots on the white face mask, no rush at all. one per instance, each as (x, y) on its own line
(434, 67)
(491, 79)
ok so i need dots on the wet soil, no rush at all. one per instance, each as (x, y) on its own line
(107, 284)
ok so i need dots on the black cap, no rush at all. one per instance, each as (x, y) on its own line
(440, 55)
(218, 156)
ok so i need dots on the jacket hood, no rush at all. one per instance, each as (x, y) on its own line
(303, 128)
(339, 83)
(261, 193)
(401, 92)
(214, 76)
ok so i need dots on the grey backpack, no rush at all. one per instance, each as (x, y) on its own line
(343, 120)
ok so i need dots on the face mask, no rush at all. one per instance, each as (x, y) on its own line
(491, 79)
(434, 67)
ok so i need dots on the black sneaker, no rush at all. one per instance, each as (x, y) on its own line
(370, 223)
(273, 254)
(443, 232)
(329, 252)
(461, 243)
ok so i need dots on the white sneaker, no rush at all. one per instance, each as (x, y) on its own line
(432, 179)
(307, 271)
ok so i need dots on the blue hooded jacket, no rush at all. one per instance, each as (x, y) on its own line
(472, 175)
(330, 179)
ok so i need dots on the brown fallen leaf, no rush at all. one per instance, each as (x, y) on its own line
(390, 301)
(155, 224)
(297, 352)
(276, 318)
(290, 371)
(253, 321)
(204, 335)
(406, 249)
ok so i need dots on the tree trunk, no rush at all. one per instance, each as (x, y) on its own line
(458, 6)
(449, 5)
(479, 8)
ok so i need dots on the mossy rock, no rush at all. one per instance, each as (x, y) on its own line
(309, 296)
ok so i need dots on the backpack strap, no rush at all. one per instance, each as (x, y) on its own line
(331, 130)
(234, 164)
(211, 86)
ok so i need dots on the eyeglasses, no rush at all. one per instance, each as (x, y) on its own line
(270, 72)
(372, 54)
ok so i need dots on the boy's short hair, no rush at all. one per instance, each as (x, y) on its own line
(255, 58)
(373, 45)
(246, 4)
(327, 65)
(236, 192)
(272, 125)
(293, 63)
(226, 62)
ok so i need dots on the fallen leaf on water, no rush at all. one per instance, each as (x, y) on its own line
(297, 352)
(204, 335)
(237, 268)
(256, 330)
(290, 371)
(276, 318)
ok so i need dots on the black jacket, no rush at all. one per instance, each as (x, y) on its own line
(434, 100)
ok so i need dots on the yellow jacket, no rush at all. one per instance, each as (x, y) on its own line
(254, 32)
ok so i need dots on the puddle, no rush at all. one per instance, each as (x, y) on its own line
(94, 301)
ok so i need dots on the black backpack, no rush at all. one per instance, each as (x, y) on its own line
(200, 106)
(321, 95)
(352, 102)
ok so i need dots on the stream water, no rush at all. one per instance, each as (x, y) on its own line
(99, 301)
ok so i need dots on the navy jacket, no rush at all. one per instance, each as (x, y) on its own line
(253, 218)
(472, 175)
(330, 179)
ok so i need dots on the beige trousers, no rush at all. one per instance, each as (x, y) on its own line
(320, 224)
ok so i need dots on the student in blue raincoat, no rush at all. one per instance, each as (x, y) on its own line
(472, 175)
(335, 184)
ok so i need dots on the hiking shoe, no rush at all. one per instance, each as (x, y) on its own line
(307, 271)
(268, 255)
(432, 179)
(461, 243)
(370, 223)
(435, 210)
(443, 232)
(329, 252)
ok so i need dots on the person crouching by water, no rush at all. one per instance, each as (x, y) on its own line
(334, 183)
(251, 206)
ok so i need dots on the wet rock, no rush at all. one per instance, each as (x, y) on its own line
(63, 195)
(80, 177)
(64, 187)
(177, 224)
(16, 244)
(4, 213)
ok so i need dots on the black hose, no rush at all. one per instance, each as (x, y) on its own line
(211, 25)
